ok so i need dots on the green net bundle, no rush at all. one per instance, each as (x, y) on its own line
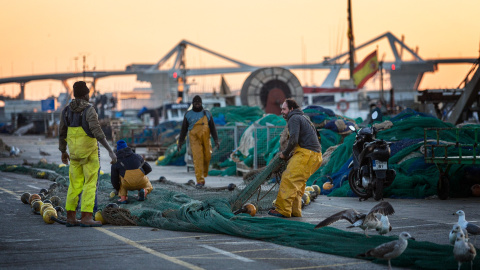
(415, 178)
(237, 114)
(333, 129)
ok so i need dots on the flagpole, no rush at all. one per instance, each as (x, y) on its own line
(351, 45)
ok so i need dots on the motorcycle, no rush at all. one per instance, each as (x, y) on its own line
(369, 173)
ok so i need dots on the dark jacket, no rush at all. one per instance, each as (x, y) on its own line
(301, 132)
(130, 161)
(189, 121)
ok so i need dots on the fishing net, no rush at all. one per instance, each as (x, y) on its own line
(136, 133)
(415, 178)
(169, 207)
(275, 169)
(181, 207)
(119, 216)
(237, 114)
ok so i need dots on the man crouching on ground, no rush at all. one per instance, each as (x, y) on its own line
(130, 173)
(306, 159)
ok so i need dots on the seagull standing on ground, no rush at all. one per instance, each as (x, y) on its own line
(453, 234)
(43, 153)
(463, 251)
(389, 250)
(472, 229)
(375, 219)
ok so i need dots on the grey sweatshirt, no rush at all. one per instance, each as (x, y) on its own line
(301, 132)
(78, 105)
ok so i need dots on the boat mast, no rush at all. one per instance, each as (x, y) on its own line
(351, 44)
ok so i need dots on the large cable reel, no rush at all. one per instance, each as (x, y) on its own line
(267, 88)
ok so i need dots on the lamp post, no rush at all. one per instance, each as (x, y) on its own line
(351, 43)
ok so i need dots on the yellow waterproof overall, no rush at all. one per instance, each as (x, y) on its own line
(201, 148)
(134, 180)
(83, 172)
(300, 167)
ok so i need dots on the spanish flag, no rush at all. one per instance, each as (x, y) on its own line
(365, 70)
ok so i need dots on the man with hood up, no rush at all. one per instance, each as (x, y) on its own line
(130, 173)
(199, 124)
(306, 157)
(80, 130)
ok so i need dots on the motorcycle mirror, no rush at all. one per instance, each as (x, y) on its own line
(374, 115)
(351, 127)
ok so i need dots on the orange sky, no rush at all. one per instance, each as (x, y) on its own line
(41, 37)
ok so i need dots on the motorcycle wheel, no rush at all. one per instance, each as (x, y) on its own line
(356, 188)
(378, 191)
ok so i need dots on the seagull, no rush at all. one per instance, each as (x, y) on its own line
(14, 151)
(375, 219)
(453, 234)
(472, 229)
(43, 153)
(389, 250)
(463, 251)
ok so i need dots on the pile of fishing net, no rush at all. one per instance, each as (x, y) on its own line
(332, 128)
(136, 133)
(118, 216)
(223, 116)
(415, 178)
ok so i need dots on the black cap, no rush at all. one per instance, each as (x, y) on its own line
(80, 89)
(197, 98)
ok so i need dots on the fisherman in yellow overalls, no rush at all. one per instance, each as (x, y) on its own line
(303, 143)
(130, 173)
(80, 130)
(199, 124)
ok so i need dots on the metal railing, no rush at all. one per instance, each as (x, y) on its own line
(442, 148)
(263, 136)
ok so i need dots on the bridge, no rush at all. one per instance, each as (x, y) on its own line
(263, 80)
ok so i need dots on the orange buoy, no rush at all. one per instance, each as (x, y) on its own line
(34, 197)
(250, 209)
(327, 186)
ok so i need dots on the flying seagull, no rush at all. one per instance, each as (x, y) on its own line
(375, 219)
(463, 251)
(453, 234)
(389, 250)
(471, 228)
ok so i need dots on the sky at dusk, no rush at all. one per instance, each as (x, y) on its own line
(40, 37)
